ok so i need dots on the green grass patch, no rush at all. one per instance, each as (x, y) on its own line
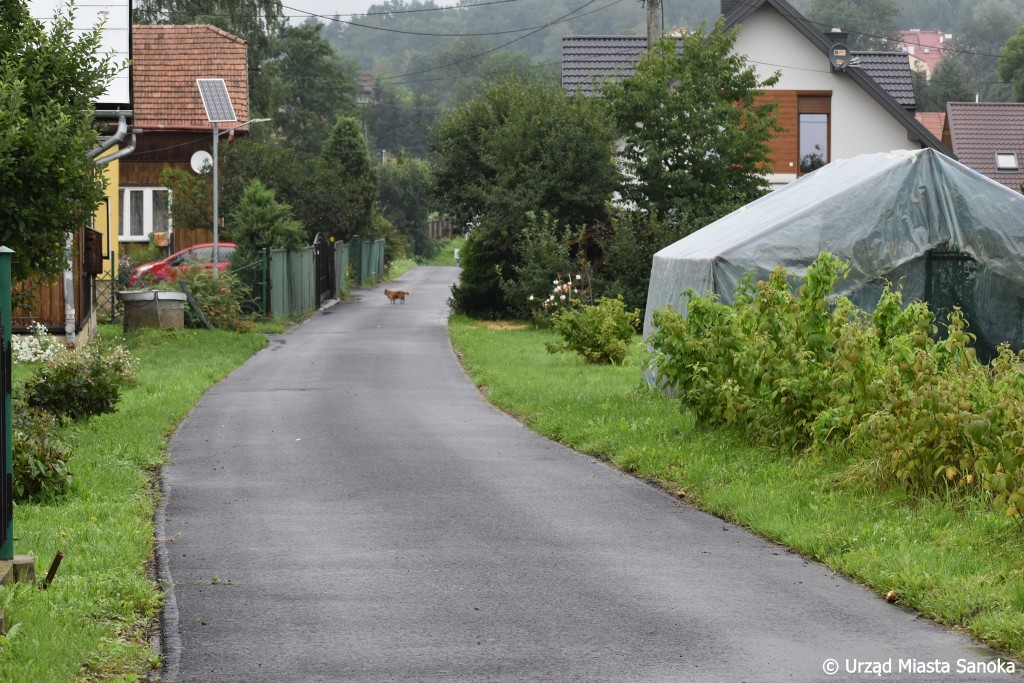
(95, 620)
(445, 253)
(956, 561)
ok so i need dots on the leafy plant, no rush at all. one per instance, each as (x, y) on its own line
(220, 298)
(76, 384)
(40, 458)
(601, 333)
(808, 371)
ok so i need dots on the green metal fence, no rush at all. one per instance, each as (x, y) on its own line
(341, 268)
(368, 257)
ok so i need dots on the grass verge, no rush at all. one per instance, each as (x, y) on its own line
(94, 622)
(957, 563)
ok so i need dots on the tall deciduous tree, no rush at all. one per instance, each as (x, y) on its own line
(306, 85)
(519, 147)
(405, 198)
(48, 80)
(695, 138)
(1011, 64)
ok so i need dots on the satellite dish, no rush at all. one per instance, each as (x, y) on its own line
(202, 161)
(839, 56)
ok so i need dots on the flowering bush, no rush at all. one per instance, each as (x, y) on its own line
(76, 384)
(567, 291)
(34, 347)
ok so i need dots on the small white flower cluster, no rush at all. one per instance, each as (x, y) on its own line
(35, 347)
(562, 292)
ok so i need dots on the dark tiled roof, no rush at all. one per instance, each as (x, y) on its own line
(168, 59)
(980, 130)
(891, 70)
(589, 60)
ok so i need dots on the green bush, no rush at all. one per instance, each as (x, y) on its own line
(801, 371)
(39, 457)
(77, 384)
(601, 333)
(220, 298)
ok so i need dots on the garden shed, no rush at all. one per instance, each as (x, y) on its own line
(940, 231)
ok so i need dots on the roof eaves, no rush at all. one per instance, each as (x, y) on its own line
(817, 38)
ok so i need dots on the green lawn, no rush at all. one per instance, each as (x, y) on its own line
(95, 620)
(959, 564)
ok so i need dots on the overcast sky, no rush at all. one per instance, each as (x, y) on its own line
(329, 8)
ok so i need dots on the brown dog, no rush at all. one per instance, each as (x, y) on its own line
(393, 294)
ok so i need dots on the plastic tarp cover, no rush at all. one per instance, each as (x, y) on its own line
(886, 215)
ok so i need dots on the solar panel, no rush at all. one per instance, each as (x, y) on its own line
(216, 100)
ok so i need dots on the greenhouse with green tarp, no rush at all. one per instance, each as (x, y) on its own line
(939, 231)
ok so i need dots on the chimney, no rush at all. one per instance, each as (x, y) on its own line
(834, 36)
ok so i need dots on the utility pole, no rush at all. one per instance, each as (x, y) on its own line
(655, 22)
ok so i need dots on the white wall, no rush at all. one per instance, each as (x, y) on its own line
(859, 123)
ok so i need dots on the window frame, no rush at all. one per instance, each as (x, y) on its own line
(813, 103)
(148, 210)
(1006, 169)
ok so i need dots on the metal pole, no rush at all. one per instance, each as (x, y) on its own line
(216, 208)
(7, 481)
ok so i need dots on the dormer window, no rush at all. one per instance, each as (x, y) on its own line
(1006, 161)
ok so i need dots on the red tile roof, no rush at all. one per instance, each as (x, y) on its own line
(933, 121)
(979, 131)
(168, 59)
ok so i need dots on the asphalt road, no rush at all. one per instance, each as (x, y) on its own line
(346, 507)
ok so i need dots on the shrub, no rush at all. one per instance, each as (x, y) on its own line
(39, 458)
(77, 384)
(600, 333)
(220, 298)
(806, 372)
(543, 250)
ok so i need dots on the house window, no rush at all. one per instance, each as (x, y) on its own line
(1006, 161)
(144, 210)
(814, 130)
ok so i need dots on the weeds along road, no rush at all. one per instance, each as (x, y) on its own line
(346, 507)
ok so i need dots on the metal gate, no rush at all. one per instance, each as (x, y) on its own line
(323, 256)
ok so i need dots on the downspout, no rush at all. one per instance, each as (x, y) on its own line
(69, 251)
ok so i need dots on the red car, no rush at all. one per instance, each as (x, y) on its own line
(198, 254)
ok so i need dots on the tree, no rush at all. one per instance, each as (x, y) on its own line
(192, 207)
(984, 35)
(695, 139)
(948, 84)
(48, 81)
(338, 195)
(306, 85)
(405, 197)
(519, 147)
(261, 222)
(870, 23)
(1011, 64)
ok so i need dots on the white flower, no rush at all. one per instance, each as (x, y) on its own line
(578, 276)
(531, 297)
(562, 297)
(554, 282)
